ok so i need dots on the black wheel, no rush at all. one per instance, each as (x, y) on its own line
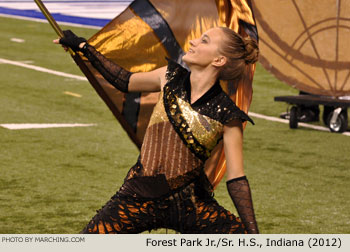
(341, 123)
(293, 118)
(326, 111)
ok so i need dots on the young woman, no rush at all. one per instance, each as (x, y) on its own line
(167, 187)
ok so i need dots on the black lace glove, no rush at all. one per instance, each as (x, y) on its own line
(112, 72)
(239, 191)
(71, 40)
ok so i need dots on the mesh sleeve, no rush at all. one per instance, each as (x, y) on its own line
(112, 72)
(239, 191)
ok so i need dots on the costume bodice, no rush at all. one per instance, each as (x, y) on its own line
(180, 136)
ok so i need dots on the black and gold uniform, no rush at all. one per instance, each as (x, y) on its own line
(167, 187)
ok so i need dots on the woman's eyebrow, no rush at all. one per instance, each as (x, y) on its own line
(206, 36)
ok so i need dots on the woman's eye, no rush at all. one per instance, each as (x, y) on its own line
(204, 41)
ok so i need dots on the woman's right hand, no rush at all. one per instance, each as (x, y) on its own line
(57, 41)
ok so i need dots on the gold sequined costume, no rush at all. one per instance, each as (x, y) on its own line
(167, 187)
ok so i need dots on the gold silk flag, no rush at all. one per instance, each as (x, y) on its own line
(148, 31)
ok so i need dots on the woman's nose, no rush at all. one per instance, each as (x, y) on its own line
(193, 42)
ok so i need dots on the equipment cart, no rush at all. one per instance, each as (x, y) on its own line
(335, 114)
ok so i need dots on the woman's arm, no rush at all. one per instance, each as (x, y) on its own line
(237, 183)
(152, 81)
(120, 78)
(233, 147)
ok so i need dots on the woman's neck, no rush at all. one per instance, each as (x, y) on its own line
(201, 82)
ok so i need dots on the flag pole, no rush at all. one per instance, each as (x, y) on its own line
(91, 78)
(52, 21)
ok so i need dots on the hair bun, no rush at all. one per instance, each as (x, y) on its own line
(252, 51)
(239, 52)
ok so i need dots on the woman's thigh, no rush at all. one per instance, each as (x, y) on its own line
(211, 218)
(183, 212)
(123, 215)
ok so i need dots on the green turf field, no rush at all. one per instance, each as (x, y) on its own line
(53, 180)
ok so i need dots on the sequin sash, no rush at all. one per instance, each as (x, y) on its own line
(180, 124)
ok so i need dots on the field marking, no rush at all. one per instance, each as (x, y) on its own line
(45, 21)
(27, 61)
(72, 94)
(280, 120)
(87, 14)
(17, 40)
(42, 69)
(99, 10)
(20, 126)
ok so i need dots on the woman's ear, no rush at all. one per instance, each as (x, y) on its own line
(219, 61)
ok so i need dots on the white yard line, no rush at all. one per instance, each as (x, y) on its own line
(305, 125)
(72, 94)
(20, 126)
(17, 40)
(42, 69)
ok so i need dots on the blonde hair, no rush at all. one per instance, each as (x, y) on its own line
(239, 53)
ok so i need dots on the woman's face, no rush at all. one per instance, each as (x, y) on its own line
(204, 50)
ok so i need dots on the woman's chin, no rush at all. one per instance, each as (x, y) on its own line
(186, 59)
